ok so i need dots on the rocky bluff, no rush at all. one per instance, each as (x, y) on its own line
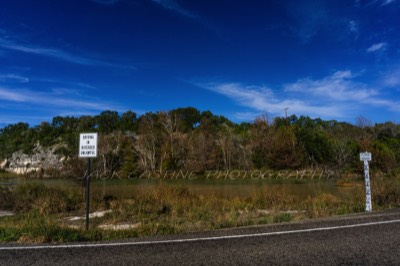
(40, 161)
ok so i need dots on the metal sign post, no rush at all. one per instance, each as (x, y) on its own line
(87, 149)
(366, 157)
(87, 193)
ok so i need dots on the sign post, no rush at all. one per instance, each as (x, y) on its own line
(87, 149)
(366, 157)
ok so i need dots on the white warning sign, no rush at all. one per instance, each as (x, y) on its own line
(88, 145)
(365, 156)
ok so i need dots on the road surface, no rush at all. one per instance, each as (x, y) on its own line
(363, 239)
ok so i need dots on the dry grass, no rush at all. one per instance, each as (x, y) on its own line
(170, 209)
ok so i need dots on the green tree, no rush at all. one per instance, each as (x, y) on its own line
(383, 156)
(312, 136)
(189, 118)
(108, 121)
(15, 137)
(46, 134)
(87, 123)
(129, 122)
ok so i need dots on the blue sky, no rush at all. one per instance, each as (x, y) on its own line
(241, 59)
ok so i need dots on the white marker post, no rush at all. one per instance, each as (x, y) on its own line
(366, 157)
(88, 149)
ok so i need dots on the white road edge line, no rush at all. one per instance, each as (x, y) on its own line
(187, 240)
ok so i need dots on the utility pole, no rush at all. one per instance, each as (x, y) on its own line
(286, 109)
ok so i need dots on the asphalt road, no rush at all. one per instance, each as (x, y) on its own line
(363, 239)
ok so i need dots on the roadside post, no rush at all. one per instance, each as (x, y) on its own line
(366, 157)
(87, 149)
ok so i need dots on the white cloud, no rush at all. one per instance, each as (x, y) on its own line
(377, 47)
(63, 83)
(338, 95)
(257, 98)
(339, 86)
(34, 107)
(57, 98)
(392, 78)
(66, 91)
(13, 78)
(55, 53)
(380, 3)
(341, 89)
(353, 26)
(264, 100)
(386, 2)
(9, 95)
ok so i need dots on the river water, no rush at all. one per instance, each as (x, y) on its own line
(222, 188)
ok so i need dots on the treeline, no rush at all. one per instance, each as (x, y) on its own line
(187, 139)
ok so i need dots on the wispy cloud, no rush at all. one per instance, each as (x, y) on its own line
(386, 2)
(353, 26)
(255, 97)
(33, 107)
(66, 91)
(13, 78)
(341, 88)
(174, 6)
(58, 98)
(62, 83)
(377, 47)
(338, 86)
(336, 96)
(380, 3)
(55, 54)
(392, 78)
(10, 95)
(263, 99)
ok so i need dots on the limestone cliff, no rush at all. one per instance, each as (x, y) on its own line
(41, 161)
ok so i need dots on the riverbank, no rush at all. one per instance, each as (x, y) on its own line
(43, 212)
